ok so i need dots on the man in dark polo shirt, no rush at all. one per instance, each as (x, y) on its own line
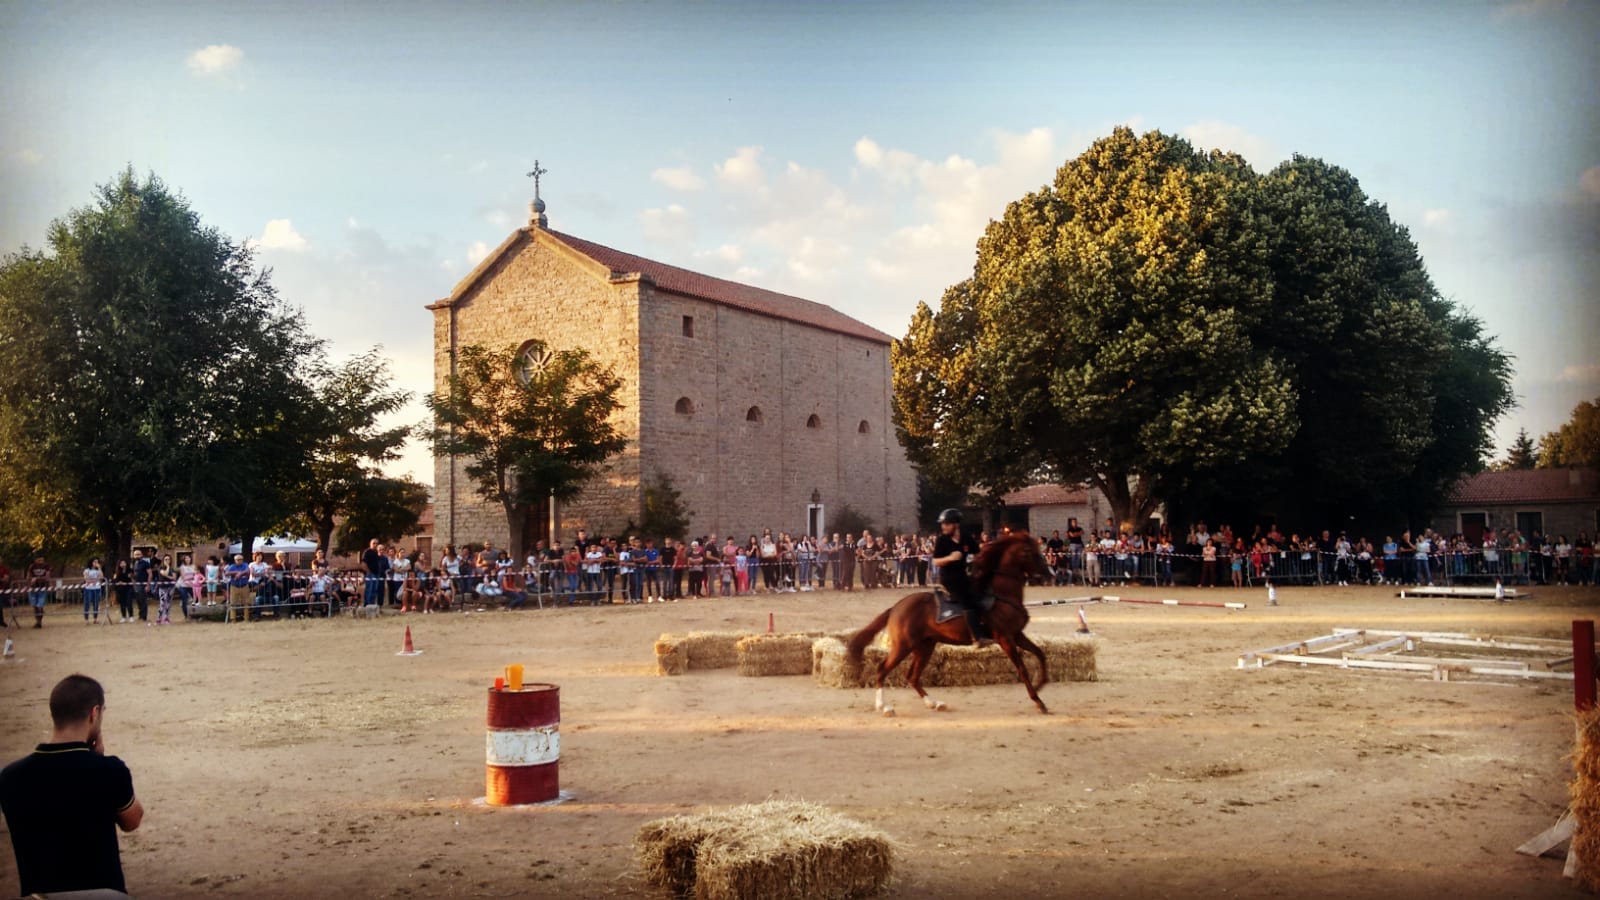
(64, 802)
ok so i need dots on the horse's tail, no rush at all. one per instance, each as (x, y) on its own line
(858, 644)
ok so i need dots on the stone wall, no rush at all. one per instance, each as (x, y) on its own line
(543, 290)
(748, 453)
(738, 471)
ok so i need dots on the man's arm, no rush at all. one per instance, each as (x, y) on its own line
(129, 817)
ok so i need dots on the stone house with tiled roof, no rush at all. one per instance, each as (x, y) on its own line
(1044, 508)
(1551, 501)
(764, 409)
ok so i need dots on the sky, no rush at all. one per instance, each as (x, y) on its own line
(850, 153)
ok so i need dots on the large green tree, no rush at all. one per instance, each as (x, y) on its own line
(1105, 334)
(531, 424)
(1170, 326)
(384, 508)
(1577, 443)
(147, 377)
(349, 440)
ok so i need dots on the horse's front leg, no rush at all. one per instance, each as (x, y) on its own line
(1007, 644)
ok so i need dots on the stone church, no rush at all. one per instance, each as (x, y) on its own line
(765, 410)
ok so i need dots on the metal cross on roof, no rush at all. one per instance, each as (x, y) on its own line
(537, 171)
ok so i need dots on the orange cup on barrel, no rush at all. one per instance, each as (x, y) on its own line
(514, 677)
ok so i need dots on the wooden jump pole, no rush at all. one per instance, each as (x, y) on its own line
(1583, 660)
(1204, 603)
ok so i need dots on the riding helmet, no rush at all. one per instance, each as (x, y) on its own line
(950, 516)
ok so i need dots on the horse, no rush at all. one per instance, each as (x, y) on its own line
(914, 630)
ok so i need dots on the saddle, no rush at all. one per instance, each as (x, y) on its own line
(950, 609)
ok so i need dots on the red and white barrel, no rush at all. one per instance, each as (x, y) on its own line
(524, 745)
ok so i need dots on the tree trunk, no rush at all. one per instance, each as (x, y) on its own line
(247, 542)
(325, 536)
(516, 530)
(1115, 486)
(116, 539)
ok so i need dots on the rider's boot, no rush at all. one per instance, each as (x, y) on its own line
(980, 633)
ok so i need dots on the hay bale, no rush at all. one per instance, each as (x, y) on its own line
(670, 656)
(830, 666)
(1586, 800)
(779, 849)
(713, 649)
(775, 654)
(1070, 659)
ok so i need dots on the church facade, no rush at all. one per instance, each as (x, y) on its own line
(765, 410)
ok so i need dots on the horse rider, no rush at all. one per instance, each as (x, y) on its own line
(951, 552)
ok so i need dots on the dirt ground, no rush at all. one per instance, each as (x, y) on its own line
(306, 759)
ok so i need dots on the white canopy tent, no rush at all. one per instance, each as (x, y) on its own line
(282, 543)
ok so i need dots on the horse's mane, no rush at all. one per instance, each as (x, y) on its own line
(994, 551)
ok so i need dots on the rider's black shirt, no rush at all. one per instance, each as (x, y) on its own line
(954, 575)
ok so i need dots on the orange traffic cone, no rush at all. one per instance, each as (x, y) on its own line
(408, 649)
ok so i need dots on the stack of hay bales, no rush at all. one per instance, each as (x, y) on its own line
(779, 654)
(775, 850)
(775, 654)
(1070, 659)
(1586, 800)
(830, 666)
(697, 650)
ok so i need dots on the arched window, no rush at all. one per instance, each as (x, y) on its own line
(532, 356)
(753, 414)
(684, 407)
(863, 428)
(813, 421)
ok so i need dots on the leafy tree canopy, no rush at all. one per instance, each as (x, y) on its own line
(147, 377)
(1170, 326)
(527, 432)
(348, 442)
(1575, 444)
(663, 512)
(379, 507)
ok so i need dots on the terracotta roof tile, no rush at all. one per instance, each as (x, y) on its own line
(1046, 495)
(728, 293)
(1527, 486)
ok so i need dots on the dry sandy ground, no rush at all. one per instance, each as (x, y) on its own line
(305, 759)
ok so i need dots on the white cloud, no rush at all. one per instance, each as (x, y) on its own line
(279, 234)
(727, 253)
(1527, 8)
(215, 59)
(1586, 374)
(679, 179)
(899, 229)
(29, 156)
(1589, 182)
(1212, 134)
(670, 225)
(477, 252)
(742, 169)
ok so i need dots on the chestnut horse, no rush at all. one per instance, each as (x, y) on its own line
(914, 630)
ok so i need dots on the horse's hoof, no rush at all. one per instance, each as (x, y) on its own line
(940, 707)
(1043, 710)
(888, 712)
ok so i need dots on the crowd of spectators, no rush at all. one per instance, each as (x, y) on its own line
(1223, 557)
(608, 570)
